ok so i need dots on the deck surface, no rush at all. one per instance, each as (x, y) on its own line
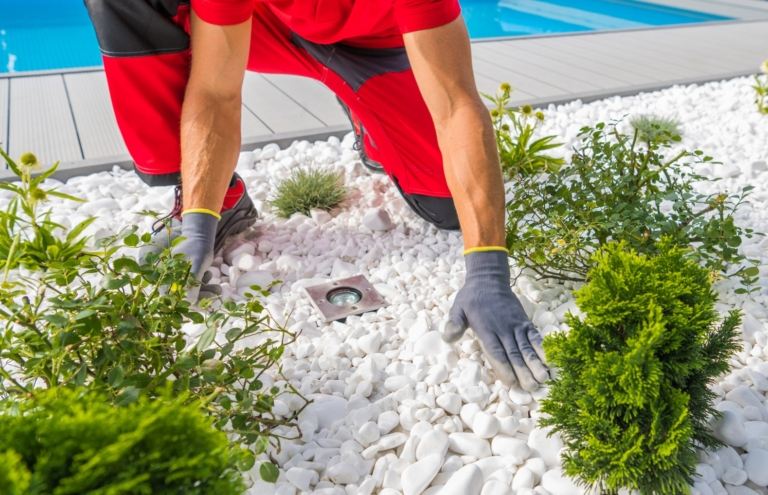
(68, 116)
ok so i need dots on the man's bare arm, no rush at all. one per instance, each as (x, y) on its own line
(210, 117)
(441, 62)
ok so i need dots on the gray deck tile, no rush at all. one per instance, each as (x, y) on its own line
(41, 120)
(536, 87)
(94, 118)
(312, 95)
(575, 78)
(278, 111)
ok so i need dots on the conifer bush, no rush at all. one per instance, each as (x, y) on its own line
(617, 189)
(631, 398)
(71, 442)
(308, 189)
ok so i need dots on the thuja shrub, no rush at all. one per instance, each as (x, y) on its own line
(102, 320)
(631, 398)
(14, 475)
(616, 189)
(520, 151)
(308, 189)
(64, 442)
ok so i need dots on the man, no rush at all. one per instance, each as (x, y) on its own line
(403, 69)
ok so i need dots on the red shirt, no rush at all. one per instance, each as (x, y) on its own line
(372, 23)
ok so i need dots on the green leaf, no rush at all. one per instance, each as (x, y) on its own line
(751, 271)
(85, 314)
(269, 472)
(56, 320)
(62, 195)
(206, 338)
(131, 240)
(128, 396)
(115, 377)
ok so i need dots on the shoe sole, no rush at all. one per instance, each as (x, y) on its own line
(243, 217)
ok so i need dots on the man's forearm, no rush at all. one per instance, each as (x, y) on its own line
(473, 174)
(210, 143)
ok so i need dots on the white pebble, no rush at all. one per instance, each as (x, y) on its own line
(418, 476)
(485, 425)
(756, 466)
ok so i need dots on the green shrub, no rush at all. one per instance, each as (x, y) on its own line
(631, 397)
(14, 475)
(104, 321)
(75, 442)
(616, 190)
(656, 128)
(519, 152)
(308, 189)
(761, 89)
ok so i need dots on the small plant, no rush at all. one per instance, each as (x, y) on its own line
(104, 321)
(70, 442)
(519, 152)
(27, 237)
(616, 190)
(308, 189)
(656, 128)
(631, 399)
(761, 89)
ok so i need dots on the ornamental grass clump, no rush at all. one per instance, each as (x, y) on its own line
(305, 190)
(655, 128)
(67, 442)
(100, 320)
(617, 189)
(631, 398)
(520, 153)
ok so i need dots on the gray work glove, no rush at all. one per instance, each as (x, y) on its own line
(508, 338)
(198, 230)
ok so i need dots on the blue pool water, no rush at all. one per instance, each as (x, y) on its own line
(57, 34)
(503, 18)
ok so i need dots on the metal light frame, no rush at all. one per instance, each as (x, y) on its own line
(370, 299)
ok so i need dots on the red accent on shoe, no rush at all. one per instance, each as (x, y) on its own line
(233, 195)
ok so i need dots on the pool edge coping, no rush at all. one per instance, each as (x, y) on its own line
(97, 68)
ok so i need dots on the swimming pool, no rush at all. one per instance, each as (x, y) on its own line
(504, 18)
(57, 34)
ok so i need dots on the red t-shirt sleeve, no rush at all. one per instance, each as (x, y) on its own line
(415, 15)
(223, 12)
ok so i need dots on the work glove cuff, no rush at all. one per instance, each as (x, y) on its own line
(487, 265)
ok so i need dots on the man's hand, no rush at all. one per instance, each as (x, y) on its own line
(199, 233)
(508, 338)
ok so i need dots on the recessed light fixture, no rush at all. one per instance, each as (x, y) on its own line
(337, 299)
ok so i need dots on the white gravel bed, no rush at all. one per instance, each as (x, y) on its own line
(397, 410)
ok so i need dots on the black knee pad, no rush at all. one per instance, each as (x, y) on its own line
(137, 27)
(440, 212)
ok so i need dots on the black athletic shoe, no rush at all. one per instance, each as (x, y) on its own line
(233, 221)
(359, 131)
